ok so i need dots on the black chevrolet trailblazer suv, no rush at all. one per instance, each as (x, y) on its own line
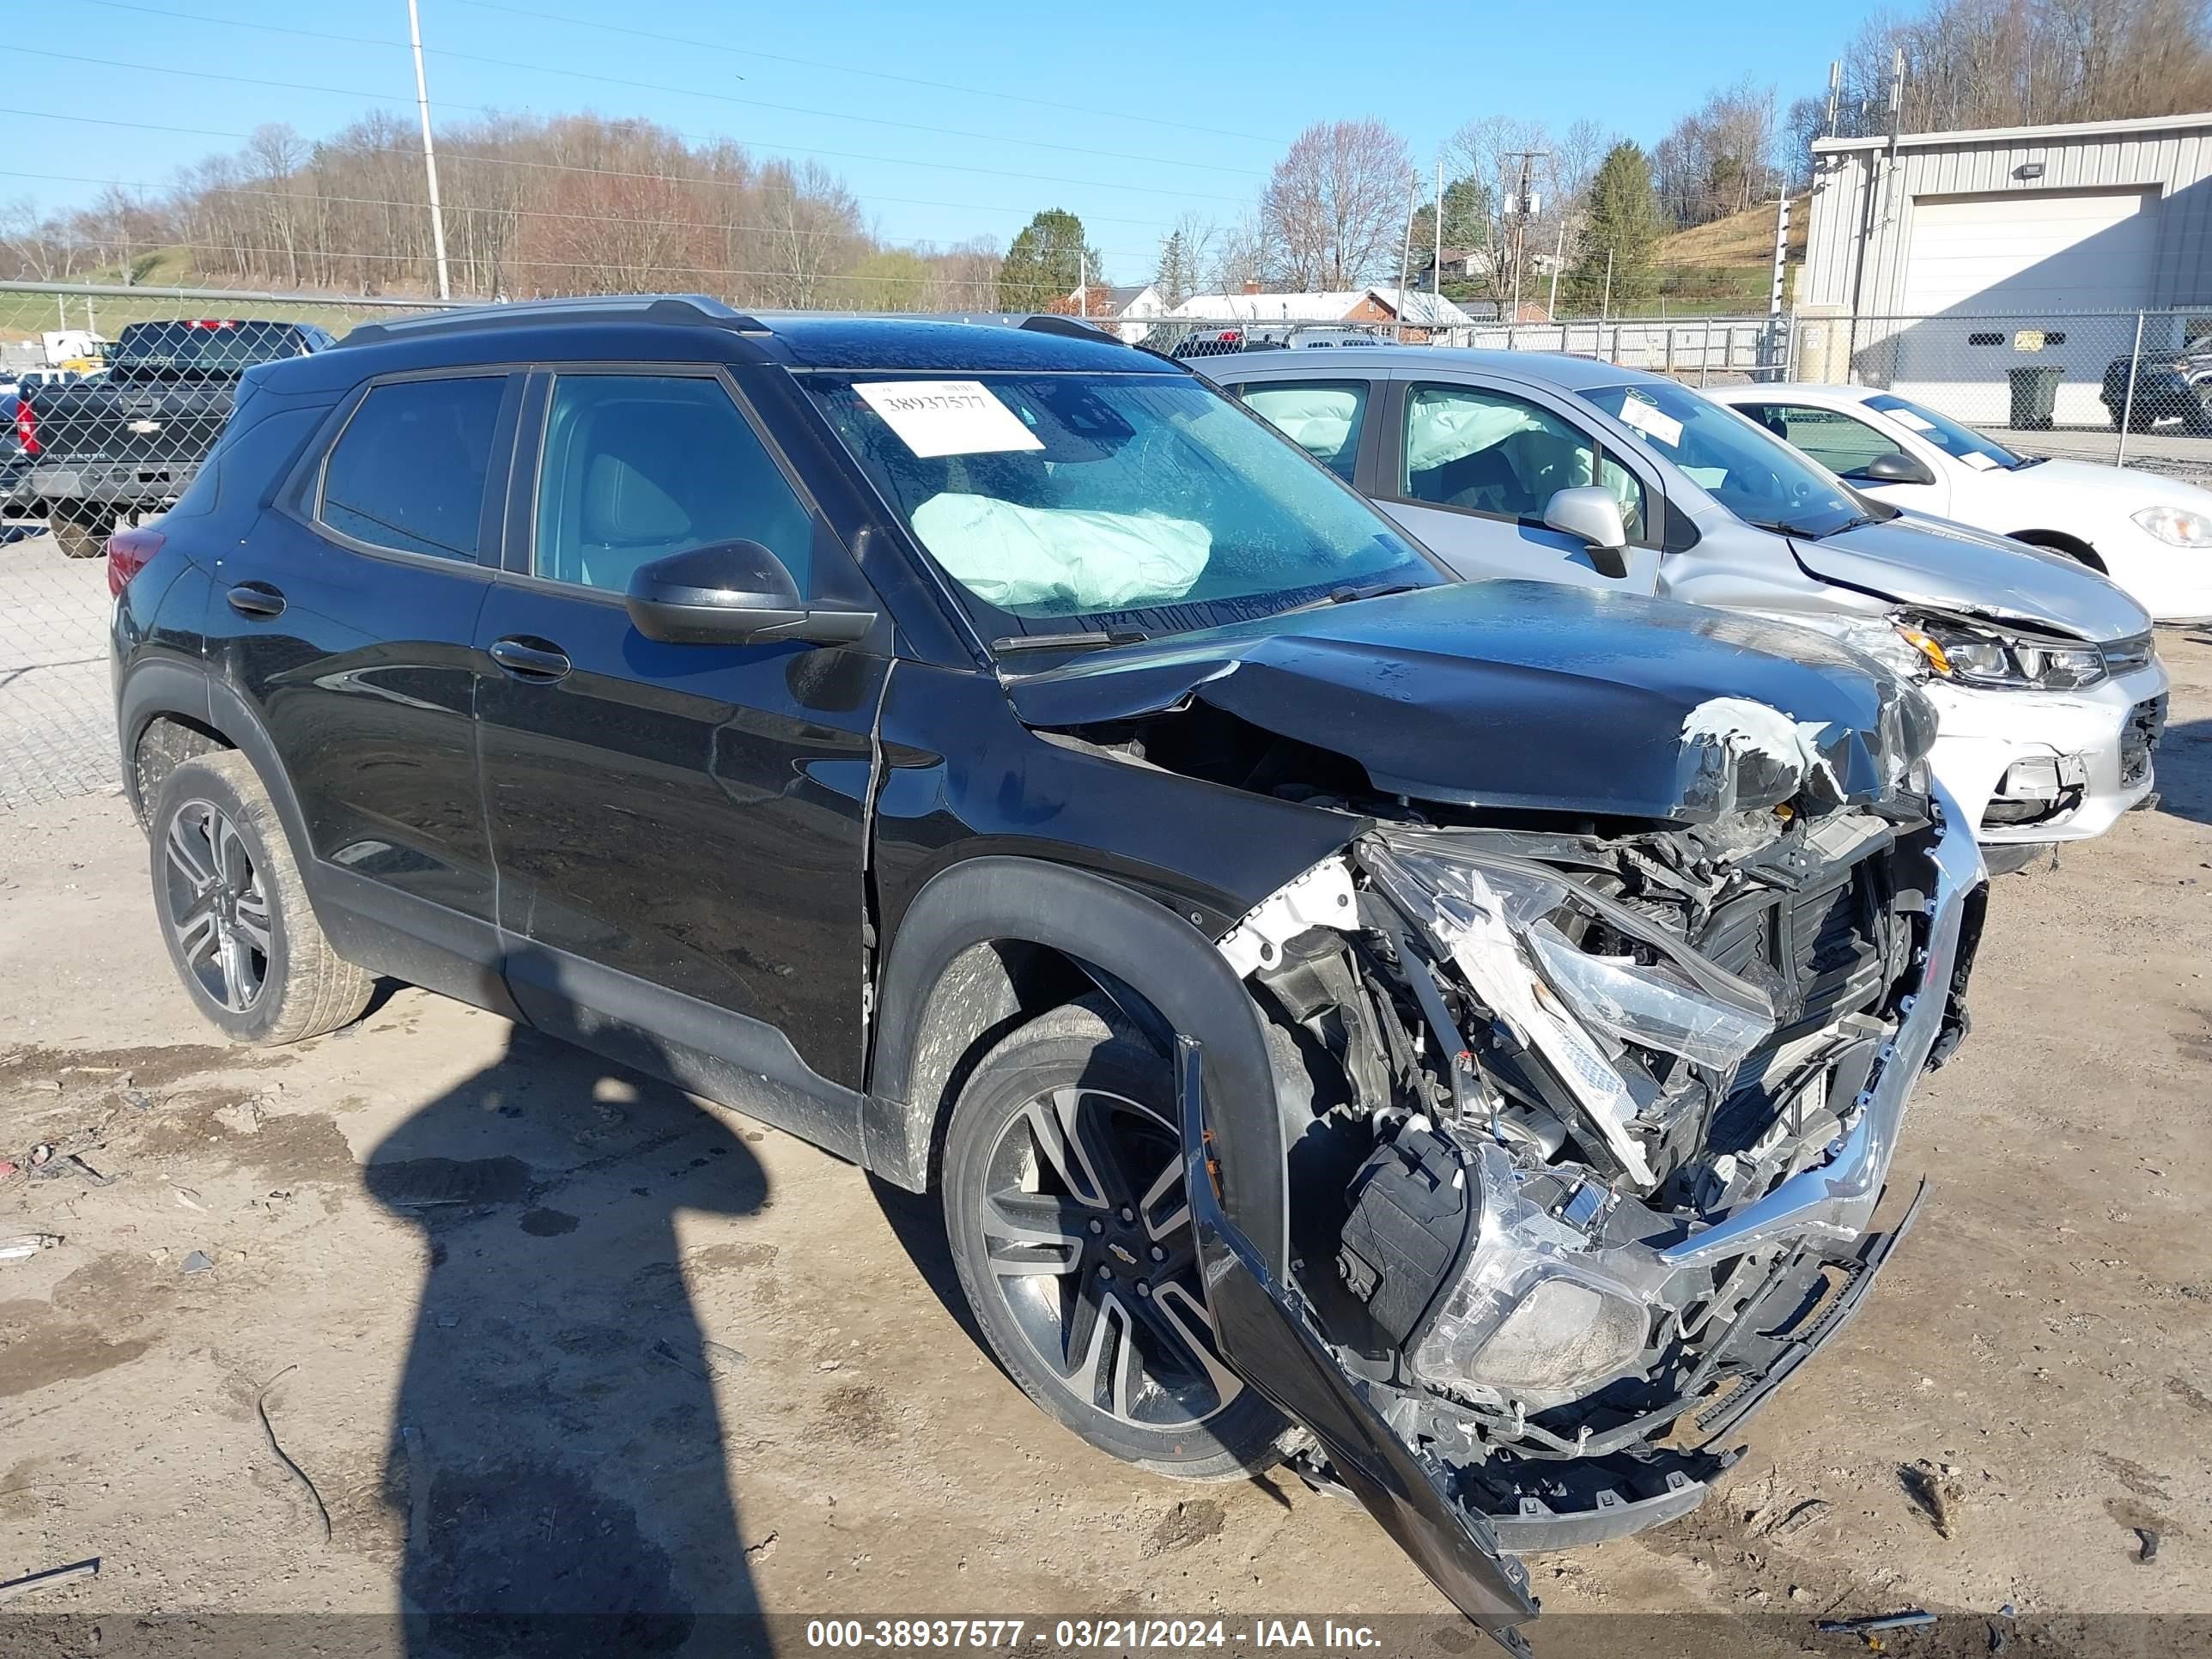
(1446, 1037)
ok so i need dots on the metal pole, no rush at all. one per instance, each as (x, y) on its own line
(2128, 408)
(1604, 305)
(1705, 351)
(1436, 262)
(1406, 251)
(1083, 283)
(1558, 259)
(429, 153)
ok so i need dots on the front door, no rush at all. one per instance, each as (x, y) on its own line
(1846, 444)
(679, 830)
(1471, 470)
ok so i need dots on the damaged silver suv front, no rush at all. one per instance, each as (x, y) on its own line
(1587, 1134)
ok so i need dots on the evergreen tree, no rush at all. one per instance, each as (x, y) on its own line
(1047, 263)
(1623, 223)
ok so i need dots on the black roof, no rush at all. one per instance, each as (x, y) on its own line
(985, 342)
(976, 344)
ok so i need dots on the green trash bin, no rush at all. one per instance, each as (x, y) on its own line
(2034, 395)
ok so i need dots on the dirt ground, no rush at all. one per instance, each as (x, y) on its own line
(633, 1343)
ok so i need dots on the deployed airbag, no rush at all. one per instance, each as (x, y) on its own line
(1061, 559)
(1444, 430)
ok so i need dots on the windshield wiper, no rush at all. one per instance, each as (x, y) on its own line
(1346, 596)
(1074, 640)
(2022, 463)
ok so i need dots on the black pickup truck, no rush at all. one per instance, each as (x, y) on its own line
(129, 440)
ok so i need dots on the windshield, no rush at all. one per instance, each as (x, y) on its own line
(1141, 501)
(1946, 434)
(205, 348)
(1741, 465)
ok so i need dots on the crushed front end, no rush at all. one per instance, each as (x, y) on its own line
(1586, 1135)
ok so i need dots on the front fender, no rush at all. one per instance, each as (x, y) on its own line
(1108, 930)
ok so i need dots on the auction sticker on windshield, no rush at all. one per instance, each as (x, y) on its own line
(948, 417)
(1651, 421)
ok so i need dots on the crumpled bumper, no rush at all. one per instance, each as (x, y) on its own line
(2099, 737)
(1270, 1336)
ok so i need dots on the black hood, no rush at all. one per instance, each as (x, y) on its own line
(1531, 695)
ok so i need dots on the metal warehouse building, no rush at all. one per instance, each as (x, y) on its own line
(1937, 263)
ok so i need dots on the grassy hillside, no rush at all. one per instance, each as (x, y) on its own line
(1728, 264)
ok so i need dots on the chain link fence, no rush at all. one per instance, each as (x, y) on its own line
(2121, 386)
(110, 395)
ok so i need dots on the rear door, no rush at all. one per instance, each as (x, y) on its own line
(680, 830)
(1470, 466)
(1326, 415)
(345, 621)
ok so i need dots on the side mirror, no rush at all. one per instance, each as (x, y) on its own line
(1593, 515)
(732, 593)
(1896, 467)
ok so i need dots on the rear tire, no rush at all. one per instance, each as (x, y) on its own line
(81, 530)
(234, 914)
(1062, 1192)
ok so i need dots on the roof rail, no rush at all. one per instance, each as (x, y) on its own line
(686, 309)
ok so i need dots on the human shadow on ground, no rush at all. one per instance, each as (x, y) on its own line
(556, 1450)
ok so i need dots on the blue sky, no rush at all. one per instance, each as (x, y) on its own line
(1143, 111)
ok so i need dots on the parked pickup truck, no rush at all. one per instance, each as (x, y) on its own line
(130, 440)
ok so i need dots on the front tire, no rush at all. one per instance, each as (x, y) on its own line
(1064, 1207)
(81, 530)
(241, 932)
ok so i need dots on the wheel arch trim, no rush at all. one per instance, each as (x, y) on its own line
(1116, 936)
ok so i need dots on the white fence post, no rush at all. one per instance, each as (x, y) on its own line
(2128, 407)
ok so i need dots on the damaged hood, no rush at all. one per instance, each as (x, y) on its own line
(1952, 566)
(1531, 695)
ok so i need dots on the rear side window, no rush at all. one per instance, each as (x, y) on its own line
(409, 469)
(1322, 417)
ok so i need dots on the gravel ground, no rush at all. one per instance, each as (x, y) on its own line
(534, 1322)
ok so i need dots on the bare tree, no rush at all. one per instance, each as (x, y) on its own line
(1335, 208)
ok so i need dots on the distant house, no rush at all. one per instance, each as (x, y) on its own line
(1130, 307)
(1425, 314)
(1460, 264)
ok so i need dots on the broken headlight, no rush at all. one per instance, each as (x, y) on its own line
(1540, 1313)
(1512, 927)
(1967, 654)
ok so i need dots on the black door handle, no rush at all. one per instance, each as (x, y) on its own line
(256, 600)
(529, 660)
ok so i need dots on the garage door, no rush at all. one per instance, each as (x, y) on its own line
(2031, 250)
(1998, 282)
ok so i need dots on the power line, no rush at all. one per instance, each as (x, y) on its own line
(490, 160)
(306, 255)
(877, 74)
(315, 198)
(692, 92)
(1151, 188)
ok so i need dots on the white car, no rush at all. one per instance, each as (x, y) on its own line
(2151, 535)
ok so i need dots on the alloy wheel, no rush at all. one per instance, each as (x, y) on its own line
(216, 909)
(1088, 1244)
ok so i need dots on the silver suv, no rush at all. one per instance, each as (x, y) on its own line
(1528, 465)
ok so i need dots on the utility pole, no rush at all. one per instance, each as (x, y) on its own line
(1083, 283)
(1558, 259)
(1524, 205)
(1437, 260)
(1835, 93)
(429, 153)
(1406, 249)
